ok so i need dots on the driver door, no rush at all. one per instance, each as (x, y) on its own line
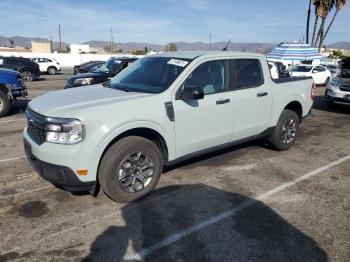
(207, 122)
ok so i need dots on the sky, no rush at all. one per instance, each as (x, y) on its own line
(164, 21)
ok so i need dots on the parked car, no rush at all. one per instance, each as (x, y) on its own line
(338, 90)
(11, 87)
(161, 110)
(282, 70)
(90, 67)
(47, 65)
(344, 65)
(320, 74)
(334, 69)
(29, 70)
(108, 70)
(273, 70)
(90, 63)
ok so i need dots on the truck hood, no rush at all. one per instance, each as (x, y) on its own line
(69, 102)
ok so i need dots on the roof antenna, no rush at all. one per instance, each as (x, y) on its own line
(228, 43)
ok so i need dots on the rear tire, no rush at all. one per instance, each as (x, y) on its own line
(122, 169)
(286, 132)
(4, 104)
(51, 70)
(27, 76)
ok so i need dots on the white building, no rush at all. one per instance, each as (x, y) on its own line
(78, 49)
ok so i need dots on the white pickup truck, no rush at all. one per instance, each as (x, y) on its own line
(160, 110)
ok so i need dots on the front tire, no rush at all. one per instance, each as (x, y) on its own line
(51, 70)
(4, 104)
(27, 76)
(130, 169)
(286, 131)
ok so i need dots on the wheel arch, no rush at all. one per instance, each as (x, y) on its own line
(4, 89)
(296, 107)
(145, 132)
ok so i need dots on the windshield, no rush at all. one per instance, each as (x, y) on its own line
(302, 69)
(150, 74)
(110, 66)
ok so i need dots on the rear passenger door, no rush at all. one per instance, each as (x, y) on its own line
(252, 98)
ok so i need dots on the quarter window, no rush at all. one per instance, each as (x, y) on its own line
(210, 77)
(247, 73)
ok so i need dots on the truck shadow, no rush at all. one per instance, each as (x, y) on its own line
(202, 223)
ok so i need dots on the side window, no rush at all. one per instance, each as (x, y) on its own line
(48, 60)
(210, 77)
(41, 60)
(247, 73)
(321, 69)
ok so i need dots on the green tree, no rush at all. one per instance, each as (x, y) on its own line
(12, 43)
(138, 52)
(339, 5)
(338, 54)
(171, 47)
(318, 5)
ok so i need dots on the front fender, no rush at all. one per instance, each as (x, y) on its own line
(169, 139)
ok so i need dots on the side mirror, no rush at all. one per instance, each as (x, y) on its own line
(314, 71)
(192, 93)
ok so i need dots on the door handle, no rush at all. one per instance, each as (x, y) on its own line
(261, 94)
(223, 101)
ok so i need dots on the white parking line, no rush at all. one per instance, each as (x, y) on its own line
(10, 121)
(177, 236)
(12, 159)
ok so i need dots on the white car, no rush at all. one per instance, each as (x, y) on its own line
(47, 65)
(273, 70)
(320, 74)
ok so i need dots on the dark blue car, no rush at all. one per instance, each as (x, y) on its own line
(11, 87)
(109, 69)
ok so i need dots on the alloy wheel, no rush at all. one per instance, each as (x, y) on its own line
(289, 131)
(135, 172)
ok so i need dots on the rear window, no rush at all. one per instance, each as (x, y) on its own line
(247, 73)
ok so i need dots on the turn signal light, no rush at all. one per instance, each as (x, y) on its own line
(82, 172)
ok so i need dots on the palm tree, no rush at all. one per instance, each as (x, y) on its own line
(318, 11)
(308, 22)
(325, 7)
(339, 5)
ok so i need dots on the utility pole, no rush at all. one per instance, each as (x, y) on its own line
(51, 47)
(111, 40)
(59, 36)
(210, 41)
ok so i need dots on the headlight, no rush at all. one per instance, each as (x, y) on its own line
(10, 86)
(83, 81)
(64, 131)
(335, 82)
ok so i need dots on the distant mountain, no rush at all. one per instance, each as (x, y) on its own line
(26, 41)
(182, 46)
(340, 45)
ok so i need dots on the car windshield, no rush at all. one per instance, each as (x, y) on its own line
(301, 69)
(150, 74)
(109, 66)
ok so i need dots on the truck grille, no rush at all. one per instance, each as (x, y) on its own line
(36, 126)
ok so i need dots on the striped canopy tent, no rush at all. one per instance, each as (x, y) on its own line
(294, 52)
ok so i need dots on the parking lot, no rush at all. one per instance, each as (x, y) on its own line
(247, 203)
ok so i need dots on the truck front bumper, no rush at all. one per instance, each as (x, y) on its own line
(60, 176)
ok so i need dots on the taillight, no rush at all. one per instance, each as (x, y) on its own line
(313, 91)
